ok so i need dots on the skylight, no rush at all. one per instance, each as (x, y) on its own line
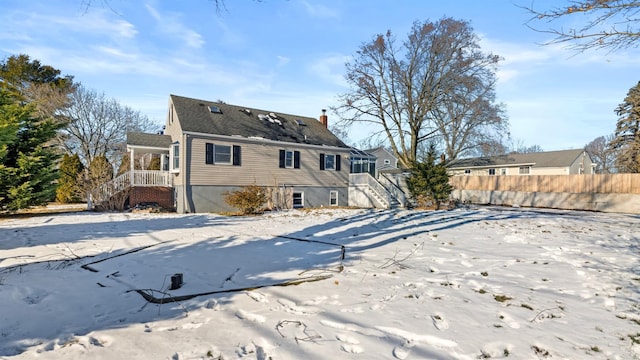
(215, 109)
(300, 122)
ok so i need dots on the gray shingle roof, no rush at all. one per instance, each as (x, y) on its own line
(195, 116)
(542, 159)
(148, 140)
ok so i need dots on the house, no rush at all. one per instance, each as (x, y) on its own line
(209, 148)
(563, 162)
(386, 161)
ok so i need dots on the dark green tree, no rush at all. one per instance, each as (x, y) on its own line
(429, 182)
(28, 161)
(37, 83)
(627, 135)
(69, 190)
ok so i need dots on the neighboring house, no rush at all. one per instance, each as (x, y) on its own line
(562, 162)
(211, 148)
(386, 161)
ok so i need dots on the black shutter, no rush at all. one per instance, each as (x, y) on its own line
(282, 155)
(296, 159)
(321, 161)
(209, 153)
(337, 162)
(236, 155)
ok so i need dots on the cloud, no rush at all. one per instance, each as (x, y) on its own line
(283, 60)
(38, 24)
(170, 25)
(320, 11)
(331, 69)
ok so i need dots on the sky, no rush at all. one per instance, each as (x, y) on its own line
(470, 283)
(289, 56)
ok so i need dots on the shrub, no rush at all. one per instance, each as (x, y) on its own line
(69, 190)
(429, 182)
(248, 200)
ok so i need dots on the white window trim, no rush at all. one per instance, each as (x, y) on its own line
(286, 156)
(523, 167)
(293, 205)
(331, 197)
(230, 162)
(173, 158)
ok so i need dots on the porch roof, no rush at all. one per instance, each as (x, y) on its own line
(160, 143)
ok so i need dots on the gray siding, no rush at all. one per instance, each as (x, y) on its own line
(260, 165)
(210, 198)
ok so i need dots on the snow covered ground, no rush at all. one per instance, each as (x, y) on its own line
(464, 284)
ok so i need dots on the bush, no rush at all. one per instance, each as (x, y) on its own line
(248, 200)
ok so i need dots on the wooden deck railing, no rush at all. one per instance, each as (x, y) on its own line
(122, 182)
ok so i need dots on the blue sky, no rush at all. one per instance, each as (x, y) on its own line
(288, 56)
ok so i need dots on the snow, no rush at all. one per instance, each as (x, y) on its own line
(475, 282)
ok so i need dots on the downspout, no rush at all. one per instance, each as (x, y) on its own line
(186, 175)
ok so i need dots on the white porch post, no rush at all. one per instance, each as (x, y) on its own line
(162, 162)
(131, 164)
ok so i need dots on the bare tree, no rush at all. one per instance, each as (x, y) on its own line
(603, 154)
(469, 118)
(518, 146)
(98, 126)
(413, 93)
(606, 24)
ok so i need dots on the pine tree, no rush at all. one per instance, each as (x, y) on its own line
(429, 182)
(627, 135)
(27, 170)
(69, 190)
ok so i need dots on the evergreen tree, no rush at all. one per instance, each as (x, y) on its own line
(27, 170)
(69, 190)
(627, 136)
(429, 182)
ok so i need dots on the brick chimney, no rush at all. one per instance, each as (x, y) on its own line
(324, 119)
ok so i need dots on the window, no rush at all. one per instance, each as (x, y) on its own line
(467, 171)
(298, 200)
(333, 198)
(524, 170)
(290, 159)
(387, 162)
(215, 109)
(492, 171)
(222, 154)
(329, 162)
(175, 156)
(164, 161)
(503, 171)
